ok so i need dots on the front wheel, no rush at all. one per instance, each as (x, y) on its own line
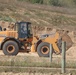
(10, 48)
(43, 49)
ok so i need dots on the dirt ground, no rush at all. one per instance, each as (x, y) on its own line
(70, 54)
(10, 73)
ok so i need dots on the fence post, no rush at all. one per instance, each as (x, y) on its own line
(50, 53)
(63, 56)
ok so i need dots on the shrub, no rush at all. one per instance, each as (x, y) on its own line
(54, 2)
(74, 2)
(37, 1)
(33, 1)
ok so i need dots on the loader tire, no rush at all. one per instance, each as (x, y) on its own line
(10, 48)
(43, 49)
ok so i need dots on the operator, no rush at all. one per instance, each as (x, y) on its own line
(23, 31)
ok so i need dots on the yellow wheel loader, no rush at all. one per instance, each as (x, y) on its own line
(21, 39)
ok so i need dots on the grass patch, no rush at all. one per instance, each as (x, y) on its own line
(71, 65)
(28, 70)
(35, 62)
(27, 14)
(27, 64)
(6, 17)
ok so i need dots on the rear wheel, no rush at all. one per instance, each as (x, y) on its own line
(10, 48)
(43, 49)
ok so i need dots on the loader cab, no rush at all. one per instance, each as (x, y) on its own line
(24, 29)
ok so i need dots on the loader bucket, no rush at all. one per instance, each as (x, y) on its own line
(67, 39)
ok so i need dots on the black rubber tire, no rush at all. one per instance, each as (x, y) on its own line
(43, 44)
(14, 44)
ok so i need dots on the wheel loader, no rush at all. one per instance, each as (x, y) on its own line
(21, 39)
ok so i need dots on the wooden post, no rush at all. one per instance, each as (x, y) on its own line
(50, 53)
(63, 56)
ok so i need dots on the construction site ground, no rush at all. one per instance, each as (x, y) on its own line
(32, 64)
(70, 54)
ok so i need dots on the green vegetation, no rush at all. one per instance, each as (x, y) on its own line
(54, 2)
(27, 64)
(33, 1)
(22, 61)
(61, 3)
(6, 18)
(37, 1)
